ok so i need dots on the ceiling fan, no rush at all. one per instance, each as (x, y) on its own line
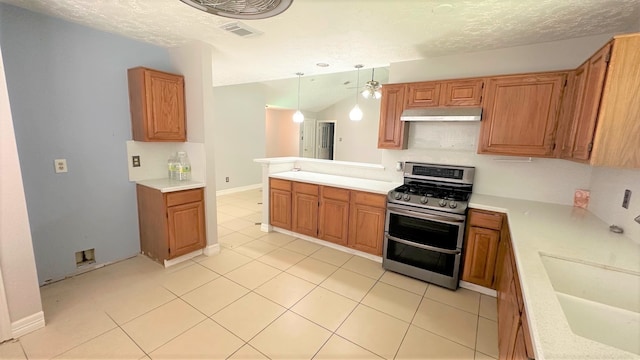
(372, 88)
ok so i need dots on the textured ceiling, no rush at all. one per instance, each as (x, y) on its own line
(347, 32)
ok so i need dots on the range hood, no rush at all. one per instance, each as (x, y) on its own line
(442, 114)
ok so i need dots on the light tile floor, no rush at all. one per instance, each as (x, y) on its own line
(264, 296)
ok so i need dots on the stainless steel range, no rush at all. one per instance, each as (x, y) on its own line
(425, 223)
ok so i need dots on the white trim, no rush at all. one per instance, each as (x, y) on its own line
(329, 244)
(185, 257)
(211, 249)
(266, 227)
(238, 189)
(478, 288)
(27, 324)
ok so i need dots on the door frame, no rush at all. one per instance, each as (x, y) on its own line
(335, 126)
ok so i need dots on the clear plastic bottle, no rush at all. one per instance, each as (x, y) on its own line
(184, 166)
(172, 166)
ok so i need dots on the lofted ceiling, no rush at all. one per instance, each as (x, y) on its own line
(343, 33)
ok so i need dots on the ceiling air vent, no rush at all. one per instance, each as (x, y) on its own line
(240, 29)
(241, 9)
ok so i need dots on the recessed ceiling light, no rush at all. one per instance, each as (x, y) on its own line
(321, 64)
(442, 9)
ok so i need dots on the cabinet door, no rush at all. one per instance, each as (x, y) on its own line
(333, 221)
(587, 115)
(280, 208)
(186, 228)
(305, 214)
(425, 94)
(481, 251)
(165, 106)
(366, 228)
(521, 114)
(569, 114)
(508, 313)
(462, 93)
(392, 132)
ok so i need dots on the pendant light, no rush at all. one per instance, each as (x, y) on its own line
(298, 117)
(356, 113)
(372, 89)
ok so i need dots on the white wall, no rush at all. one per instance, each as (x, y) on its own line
(282, 135)
(17, 261)
(549, 180)
(355, 140)
(607, 190)
(239, 134)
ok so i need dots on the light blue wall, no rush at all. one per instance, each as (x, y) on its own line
(68, 93)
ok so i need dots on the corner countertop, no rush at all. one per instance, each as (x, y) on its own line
(374, 186)
(167, 185)
(566, 232)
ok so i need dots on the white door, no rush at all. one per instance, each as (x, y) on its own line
(308, 138)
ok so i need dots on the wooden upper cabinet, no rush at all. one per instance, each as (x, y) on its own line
(521, 114)
(617, 136)
(392, 133)
(571, 102)
(462, 93)
(588, 106)
(157, 105)
(423, 94)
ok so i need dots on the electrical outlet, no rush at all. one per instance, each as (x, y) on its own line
(626, 199)
(226, 179)
(135, 160)
(60, 165)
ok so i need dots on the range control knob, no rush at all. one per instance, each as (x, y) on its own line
(397, 196)
(442, 202)
(406, 197)
(453, 204)
(424, 199)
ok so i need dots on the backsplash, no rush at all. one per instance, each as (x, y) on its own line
(154, 155)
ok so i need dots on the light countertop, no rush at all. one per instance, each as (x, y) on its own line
(167, 185)
(374, 186)
(566, 232)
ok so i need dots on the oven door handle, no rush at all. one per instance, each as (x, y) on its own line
(421, 246)
(442, 219)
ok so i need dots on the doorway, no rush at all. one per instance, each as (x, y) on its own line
(325, 139)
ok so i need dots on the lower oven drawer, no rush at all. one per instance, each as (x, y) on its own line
(429, 260)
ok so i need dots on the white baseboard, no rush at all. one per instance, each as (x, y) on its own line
(238, 189)
(266, 227)
(212, 249)
(478, 288)
(179, 259)
(27, 324)
(327, 244)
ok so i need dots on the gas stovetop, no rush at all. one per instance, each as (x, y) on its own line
(437, 187)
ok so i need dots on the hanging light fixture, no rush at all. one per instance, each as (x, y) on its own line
(356, 113)
(298, 116)
(372, 88)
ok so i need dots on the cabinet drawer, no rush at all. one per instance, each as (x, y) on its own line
(335, 193)
(485, 219)
(304, 188)
(280, 184)
(184, 197)
(370, 199)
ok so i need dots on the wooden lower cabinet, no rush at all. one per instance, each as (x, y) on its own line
(333, 215)
(345, 217)
(171, 224)
(280, 203)
(481, 247)
(366, 222)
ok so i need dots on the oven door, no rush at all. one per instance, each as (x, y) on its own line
(426, 245)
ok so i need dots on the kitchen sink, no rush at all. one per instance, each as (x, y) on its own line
(600, 303)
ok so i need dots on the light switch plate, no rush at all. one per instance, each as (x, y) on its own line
(60, 165)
